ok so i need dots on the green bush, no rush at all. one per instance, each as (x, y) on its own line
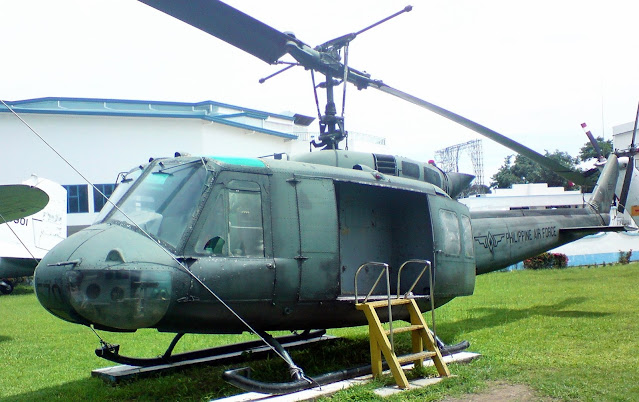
(624, 256)
(546, 260)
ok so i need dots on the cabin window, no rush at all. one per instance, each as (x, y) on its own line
(451, 238)
(246, 237)
(467, 234)
(410, 169)
(214, 233)
(432, 176)
(234, 224)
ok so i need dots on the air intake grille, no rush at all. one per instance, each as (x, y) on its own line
(385, 164)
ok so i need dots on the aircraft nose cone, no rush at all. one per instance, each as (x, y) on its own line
(107, 276)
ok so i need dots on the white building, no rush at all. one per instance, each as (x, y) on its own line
(622, 135)
(103, 137)
(526, 196)
(591, 250)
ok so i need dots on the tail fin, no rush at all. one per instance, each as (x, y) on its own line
(40, 231)
(604, 191)
(628, 192)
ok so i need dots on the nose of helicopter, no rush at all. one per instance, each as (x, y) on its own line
(108, 276)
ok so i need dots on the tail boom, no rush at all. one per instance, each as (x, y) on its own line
(502, 238)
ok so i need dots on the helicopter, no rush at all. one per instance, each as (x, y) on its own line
(194, 244)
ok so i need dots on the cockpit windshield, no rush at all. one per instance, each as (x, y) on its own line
(164, 201)
(128, 179)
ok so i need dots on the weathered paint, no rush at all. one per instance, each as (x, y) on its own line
(317, 224)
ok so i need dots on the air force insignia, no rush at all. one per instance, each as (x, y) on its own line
(490, 241)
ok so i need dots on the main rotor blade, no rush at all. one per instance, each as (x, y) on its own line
(269, 44)
(228, 24)
(544, 161)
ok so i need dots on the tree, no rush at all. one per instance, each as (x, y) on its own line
(474, 190)
(524, 170)
(588, 151)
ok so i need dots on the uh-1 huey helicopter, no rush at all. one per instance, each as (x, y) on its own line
(219, 244)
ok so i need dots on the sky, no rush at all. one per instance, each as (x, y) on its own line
(533, 71)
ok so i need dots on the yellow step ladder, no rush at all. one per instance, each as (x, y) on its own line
(420, 334)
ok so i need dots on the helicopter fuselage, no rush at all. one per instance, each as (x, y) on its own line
(279, 242)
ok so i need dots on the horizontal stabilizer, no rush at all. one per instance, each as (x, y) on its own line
(18, 201)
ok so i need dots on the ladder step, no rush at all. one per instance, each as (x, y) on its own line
(384, 303)
(415, 356)
(405, 329)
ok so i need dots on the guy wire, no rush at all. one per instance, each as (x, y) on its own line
(19, 239)
(180, 264)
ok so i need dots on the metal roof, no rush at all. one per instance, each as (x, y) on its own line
(217, 112)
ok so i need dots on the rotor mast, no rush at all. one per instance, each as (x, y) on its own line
(327, 60)
(331, 125)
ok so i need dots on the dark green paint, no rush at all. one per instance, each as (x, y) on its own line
(280, 242)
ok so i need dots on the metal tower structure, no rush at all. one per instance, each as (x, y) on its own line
(448, 158)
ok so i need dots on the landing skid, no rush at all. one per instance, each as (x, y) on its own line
(6, 286)
(134, 368)
(446, 350)
(218, 354)
(241, 377)
(139, 367)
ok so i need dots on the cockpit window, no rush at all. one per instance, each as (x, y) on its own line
(164, 201)
(123, 186)
(245, 224)
(233, 225)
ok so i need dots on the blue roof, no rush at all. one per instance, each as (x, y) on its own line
(206, 110)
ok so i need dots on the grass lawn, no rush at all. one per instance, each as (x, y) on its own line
(571, 334)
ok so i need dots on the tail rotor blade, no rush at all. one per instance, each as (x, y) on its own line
(593, 141)
(625, 188)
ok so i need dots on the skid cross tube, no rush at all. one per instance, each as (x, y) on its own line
(219, 353)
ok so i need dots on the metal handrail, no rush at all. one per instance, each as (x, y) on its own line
(399, 275)
(431, 291)
(384, 267)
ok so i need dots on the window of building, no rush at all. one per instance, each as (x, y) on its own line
(98, 199)
(77, 198)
